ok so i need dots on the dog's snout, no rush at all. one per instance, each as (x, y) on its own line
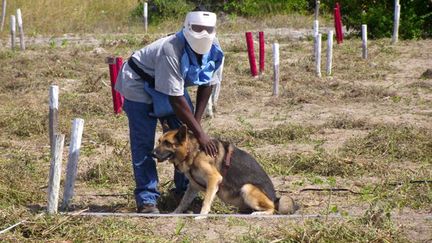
(154, 153)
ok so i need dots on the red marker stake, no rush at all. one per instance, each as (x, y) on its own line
(261, 52)
(251, 54)
(338, 24)
(115, 64)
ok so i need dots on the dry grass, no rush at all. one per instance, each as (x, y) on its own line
(374, 121)
(49, 17)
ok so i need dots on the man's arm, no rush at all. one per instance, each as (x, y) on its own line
(202, 99)
(184, 113)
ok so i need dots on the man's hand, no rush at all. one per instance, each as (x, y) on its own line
(184, 113)
(207, 145)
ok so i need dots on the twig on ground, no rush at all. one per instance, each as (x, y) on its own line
(329, 190)
(105, 195)
(17, 224)
(410, 182)
(54, 227)
(12, 226)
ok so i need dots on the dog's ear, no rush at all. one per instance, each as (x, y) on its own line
(165, 126)
(181, 133)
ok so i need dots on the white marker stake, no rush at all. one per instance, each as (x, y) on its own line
(329, 52)
(396, 22)
(276, 69)
(21, 29)
(72, 165)
(315, 33)
(145, 14)
(218, 85)
(55, 174)
(53, 114)
(3, 15)
(13, 31)
(317, 5)
(318, 55)
(364, 41)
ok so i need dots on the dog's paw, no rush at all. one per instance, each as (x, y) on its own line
(200, 217)
(260, 213)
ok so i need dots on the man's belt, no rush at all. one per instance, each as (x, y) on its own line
(144, 76)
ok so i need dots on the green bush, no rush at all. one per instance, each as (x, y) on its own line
(163, 9)
(415, 17)
(260, 8)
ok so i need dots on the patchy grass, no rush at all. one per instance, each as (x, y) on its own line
(24, 122)
(391, 142)
(346, 121)
(351, 231)
(379, 164)
(317, 163)
(279, 135)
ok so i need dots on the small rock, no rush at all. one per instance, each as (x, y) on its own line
(427, 74)
(98, 51)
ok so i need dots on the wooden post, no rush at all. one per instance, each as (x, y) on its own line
(21, 29)
(315, 33)
(145, 15)
(13, 31)
(329, 52)
(72, 164)
(3, 15)
(364, 41)
(53, 114)
(396, 22)
(213, 99)
(251, 54)
(55, 174)
(318, 55)
(218, 85)
(317, 5)
(276, 69)
(209, 107)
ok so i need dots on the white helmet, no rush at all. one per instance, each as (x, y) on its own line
(200, 30)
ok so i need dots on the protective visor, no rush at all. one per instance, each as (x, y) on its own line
(200, 28)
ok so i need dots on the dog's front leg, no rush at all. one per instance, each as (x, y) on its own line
(212, 187)
(186, 200)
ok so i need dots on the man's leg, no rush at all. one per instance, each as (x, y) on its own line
(142, 129)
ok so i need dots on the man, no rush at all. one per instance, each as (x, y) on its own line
(154, 82)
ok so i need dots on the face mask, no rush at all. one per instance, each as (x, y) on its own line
(200, 30)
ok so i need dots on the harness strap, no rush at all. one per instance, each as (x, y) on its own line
(143, 75)
(227, 159)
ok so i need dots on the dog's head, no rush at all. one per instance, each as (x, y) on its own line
(171, 144)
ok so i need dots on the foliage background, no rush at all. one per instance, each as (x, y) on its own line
(415, 17)
(415, 22)
(51, 17)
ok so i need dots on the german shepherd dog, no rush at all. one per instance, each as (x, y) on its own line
(233, 175)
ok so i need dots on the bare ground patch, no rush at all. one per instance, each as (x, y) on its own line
(365, 128)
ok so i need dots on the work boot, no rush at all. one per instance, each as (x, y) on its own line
(147, 208)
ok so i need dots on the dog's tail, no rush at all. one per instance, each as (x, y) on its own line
(286, 205)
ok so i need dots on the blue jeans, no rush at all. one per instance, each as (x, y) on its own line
(142, 130)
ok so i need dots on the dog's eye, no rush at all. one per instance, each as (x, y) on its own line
(166, 143)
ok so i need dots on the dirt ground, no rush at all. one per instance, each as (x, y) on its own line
(364, 131)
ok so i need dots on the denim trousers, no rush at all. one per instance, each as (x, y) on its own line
(142, 131)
